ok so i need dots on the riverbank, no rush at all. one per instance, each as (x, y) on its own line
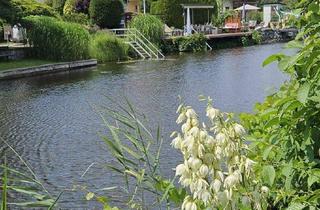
(44, 69)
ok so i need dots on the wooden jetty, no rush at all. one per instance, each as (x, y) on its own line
(218, 36)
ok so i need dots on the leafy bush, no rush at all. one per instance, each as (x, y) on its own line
(257, 37)
(58, 40)
(107, 47)
(286, 126)
(57, 5)
(255, 15)
(1, 29)
(170, 11)
(106, 13)
(193, 43)
(69, 7)
(80, 18)
(76, 6)
(150, 26)
(23, 8)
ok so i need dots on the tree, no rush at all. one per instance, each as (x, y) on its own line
(171, 11)
(106, 13)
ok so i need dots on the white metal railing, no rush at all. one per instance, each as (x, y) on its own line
(133, 35)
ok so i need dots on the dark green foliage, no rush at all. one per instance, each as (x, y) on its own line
(106, 47)
(171, 11)
(23, 8)
(255, 15)
(6, 11)
(58, 5)
(57, 40)
(1, 29)
(256, 37)
(80, 18)
(193, 43)
(150, 26)
(106, 13)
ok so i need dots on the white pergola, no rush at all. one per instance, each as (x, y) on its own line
(189, 7)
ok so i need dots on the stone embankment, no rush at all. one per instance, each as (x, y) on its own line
(46, 69)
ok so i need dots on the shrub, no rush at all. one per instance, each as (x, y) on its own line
(23, 8)
(80, 18)
(69, 7)
(73, 6)
(106, 47)
(1, 29)
(6, 11)
(58, 40)
(193, 43)
(257, 37)
(150, 26)
(170, 11)
(106, 13)
(255, 15)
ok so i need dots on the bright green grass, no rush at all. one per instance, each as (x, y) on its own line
(5, 65)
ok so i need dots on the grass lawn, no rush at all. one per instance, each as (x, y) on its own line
(5, 65)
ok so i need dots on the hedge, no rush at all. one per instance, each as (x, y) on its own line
(150, 26)
(57, 40)
(106, 13)
(107, 47)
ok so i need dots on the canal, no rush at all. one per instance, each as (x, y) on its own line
(51, 120)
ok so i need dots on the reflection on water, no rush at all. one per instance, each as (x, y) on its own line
(51, 122)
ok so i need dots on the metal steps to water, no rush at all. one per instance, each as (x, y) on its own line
(139, 43)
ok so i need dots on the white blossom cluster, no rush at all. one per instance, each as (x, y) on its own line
(215, 167)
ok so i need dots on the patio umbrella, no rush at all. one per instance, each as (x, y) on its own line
(247, 7)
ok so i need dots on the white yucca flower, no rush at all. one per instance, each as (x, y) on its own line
(214, 161)
(239, 129)
(205, 196)
(216, 185)
(194, 131)
(181, 169)
(190, 113)
(248, 165)
(176, 142)
(182, 117)
(204, 170)
(264, 190)
(212, 113)
(231, 181)
(221, 138)
(194, 163)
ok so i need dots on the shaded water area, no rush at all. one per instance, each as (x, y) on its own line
(51, 122)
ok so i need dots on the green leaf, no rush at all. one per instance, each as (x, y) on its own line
(303, 93)
(44, 203)
(295, 44)
(272, 58)
(314, 7)
(268, 174)
(296, 206)
(314, 177)
(266, 152)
